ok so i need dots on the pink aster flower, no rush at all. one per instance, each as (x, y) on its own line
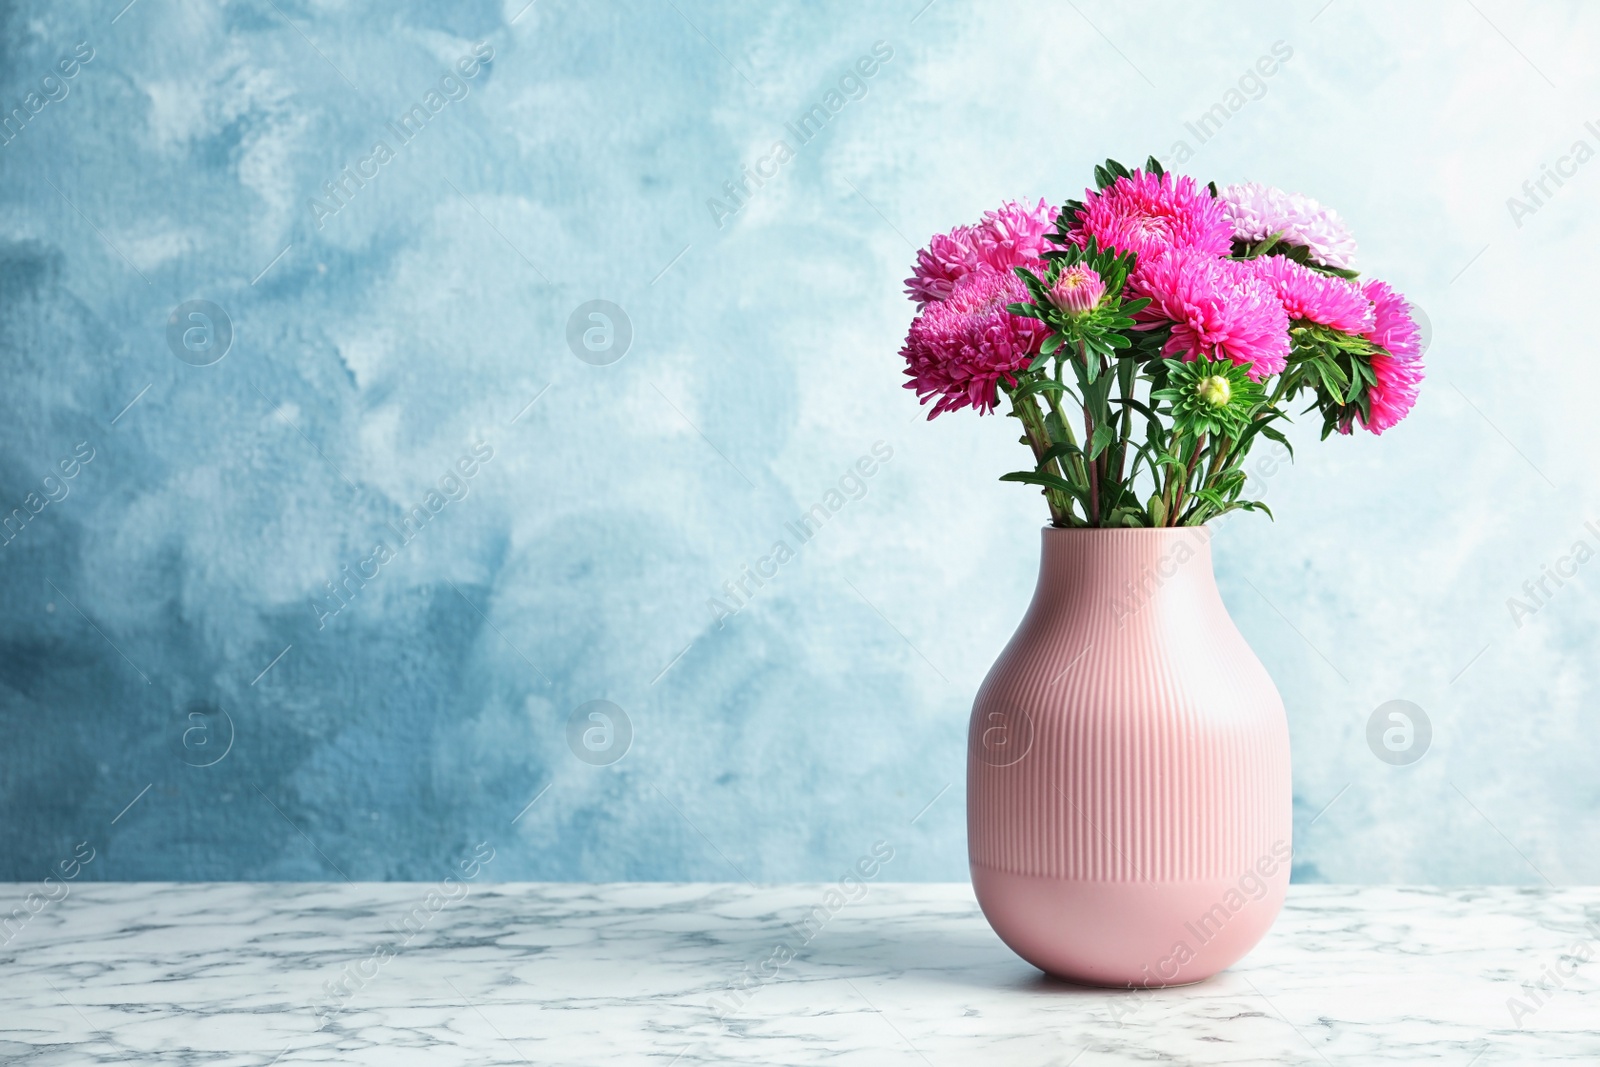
(1216, 307)
(960, 348)
(1079, 289)
(1257, 211)
(1149, 213)
(1393, 330)
(1012, 236)
(1399, 366)
(1307, 296)
(947, 259)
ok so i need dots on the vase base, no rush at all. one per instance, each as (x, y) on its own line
(1121, 934)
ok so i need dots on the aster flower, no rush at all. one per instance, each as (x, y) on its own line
(1078, 289)
(947, 259)
(1012, 236)
(1213, 397)
(1257, 211)
(961, 348)
(1149, 213)
(1159, 296)
(1218, 308)
(1307, 296)
(1398, 367)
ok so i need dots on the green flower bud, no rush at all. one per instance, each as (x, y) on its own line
(1215, 391)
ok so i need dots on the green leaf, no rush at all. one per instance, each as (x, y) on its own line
(1038, 385)
(1048, 481)
(1060, 449)
(1274, 435)
(1103, 437)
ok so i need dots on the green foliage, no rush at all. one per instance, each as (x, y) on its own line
(1335, 367)
(1275, 245)
(1210, 397)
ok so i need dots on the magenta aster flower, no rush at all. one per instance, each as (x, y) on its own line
(960, 348)
(1257, 211)
(1217, 308)
(1399, 366)
(1307, 296)
(1150, 213)
(1079, 289)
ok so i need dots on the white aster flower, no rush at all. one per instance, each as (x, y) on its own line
(1257, 211)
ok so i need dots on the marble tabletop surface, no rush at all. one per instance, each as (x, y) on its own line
(674, 975)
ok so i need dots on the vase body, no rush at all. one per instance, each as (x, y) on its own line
(1128, 790)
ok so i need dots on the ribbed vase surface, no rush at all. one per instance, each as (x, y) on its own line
(1128, 791)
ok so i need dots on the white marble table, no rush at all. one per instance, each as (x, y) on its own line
(241, 974)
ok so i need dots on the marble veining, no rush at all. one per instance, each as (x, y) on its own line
(679, 974)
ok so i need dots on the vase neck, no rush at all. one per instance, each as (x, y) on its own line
(1124, 572)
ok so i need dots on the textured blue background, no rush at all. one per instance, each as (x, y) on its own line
(373, 346)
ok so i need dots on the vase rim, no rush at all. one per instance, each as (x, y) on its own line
(1139, 531)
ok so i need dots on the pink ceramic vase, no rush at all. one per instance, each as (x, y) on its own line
(1128, 794)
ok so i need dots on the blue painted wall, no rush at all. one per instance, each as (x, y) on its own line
(179, 688)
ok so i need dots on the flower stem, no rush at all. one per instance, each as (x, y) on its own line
(1093, 463)
(1026, 410)
(1094, 469)
(1188, 472)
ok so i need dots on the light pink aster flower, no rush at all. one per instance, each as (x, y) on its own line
(1307, 296)
(1216, 307)
(1399, 372)
(1149, 213)
(960, 348)
(1078, 289)
(1257, 211)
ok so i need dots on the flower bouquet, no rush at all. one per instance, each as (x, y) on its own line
(1149, 334)
(1129, 801)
